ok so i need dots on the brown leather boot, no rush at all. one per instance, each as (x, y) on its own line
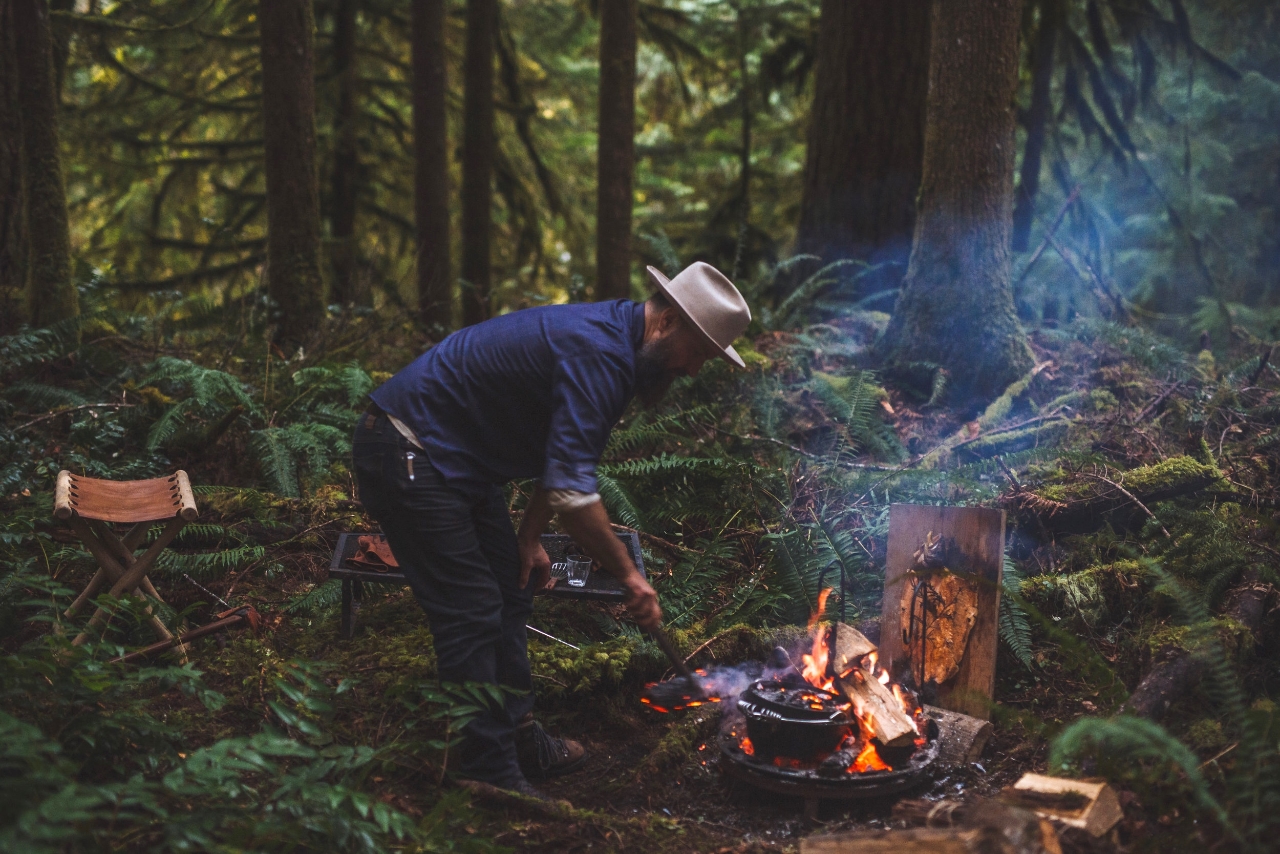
(544, 755)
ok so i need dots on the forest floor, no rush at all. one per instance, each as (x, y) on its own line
(1140, 484)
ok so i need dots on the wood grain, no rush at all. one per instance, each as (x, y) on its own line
(978, 533)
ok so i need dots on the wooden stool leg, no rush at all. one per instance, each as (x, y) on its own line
(91, 589)
(102, 542)
(133, 576)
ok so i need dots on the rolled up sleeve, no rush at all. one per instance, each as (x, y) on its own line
(589, 394)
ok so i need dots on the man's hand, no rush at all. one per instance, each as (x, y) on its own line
(642, 602)
(534, 562)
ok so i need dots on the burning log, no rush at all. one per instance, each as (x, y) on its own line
(877, 706)
(850, 646)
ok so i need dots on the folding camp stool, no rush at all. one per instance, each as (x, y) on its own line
(88, 504)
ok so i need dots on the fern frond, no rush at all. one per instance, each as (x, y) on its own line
(810, 288)
(1142, 740)
(618, 502)
(318, 600)
(42, 396)
(1015, 627)
(660, 245)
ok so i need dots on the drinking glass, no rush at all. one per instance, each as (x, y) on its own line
(578, 567)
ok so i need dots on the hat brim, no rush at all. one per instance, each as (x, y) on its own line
(729, 354)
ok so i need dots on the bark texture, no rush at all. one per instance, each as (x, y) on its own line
(616, 152)
(478, 150)
(431, 164)
(52, 295)
(1176, 671)
(956, 306)
(13, 233)
(866, 133)
(294, 280)
(1036, 121)
(348, 286)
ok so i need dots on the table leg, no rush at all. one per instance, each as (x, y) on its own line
(346, 625)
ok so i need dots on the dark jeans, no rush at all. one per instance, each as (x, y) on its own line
(463, 565)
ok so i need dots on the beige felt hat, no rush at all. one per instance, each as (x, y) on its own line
(708, 300)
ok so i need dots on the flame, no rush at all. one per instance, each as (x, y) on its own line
(868, 760)
(747, 747)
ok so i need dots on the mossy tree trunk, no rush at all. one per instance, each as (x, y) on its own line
(52, 295)
(431, 164)
(478, 152)
(348, 287)
(956, 306)
(866, 134)
(294, 279)
(616, 149)
(13, 232)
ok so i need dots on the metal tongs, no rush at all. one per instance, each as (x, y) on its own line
(663, 641)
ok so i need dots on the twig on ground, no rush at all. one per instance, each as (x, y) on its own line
(1127, 494)
(1160, 398)
(49, 415)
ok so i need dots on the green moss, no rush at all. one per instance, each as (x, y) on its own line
(1040, 435)
(560, 670)
(1101, 400)
(1170, 476)
(1206, 734)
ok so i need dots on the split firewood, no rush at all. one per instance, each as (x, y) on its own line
(851, 646)
(961, 737)
(1090, 805)
(875, 702)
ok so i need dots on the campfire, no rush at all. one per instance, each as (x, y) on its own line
(833, 717)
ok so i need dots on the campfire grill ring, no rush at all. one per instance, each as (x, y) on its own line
(807, 783)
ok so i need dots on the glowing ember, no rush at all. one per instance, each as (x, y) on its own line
(747, 747)
(868, 760)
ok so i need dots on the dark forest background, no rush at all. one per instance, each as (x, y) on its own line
(1015, 253)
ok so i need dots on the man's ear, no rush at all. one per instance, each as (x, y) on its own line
(668, 320)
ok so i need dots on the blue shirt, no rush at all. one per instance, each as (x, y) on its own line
(531, 394)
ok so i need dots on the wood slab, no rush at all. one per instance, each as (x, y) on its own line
(978, 533)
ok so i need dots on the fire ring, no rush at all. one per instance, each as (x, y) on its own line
(807, 783)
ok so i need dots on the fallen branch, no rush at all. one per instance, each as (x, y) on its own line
(49, 415)
(1129, 495)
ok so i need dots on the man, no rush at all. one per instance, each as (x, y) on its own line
(532, 394)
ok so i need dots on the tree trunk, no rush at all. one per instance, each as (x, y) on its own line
(294, 280)
(52, 295)
(348, 286)
(60, 38)
(616, 153)
(431, 164)
(13, 232)
(478, 149)
(866, 134)
(956, 306)
(1036, 121)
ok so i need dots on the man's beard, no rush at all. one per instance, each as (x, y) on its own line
(653, 377)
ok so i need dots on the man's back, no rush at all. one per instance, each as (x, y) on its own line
(530, 394)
